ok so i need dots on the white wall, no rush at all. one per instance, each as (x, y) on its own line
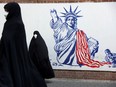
(98, 21)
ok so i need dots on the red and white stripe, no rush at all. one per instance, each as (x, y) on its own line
(83, 52)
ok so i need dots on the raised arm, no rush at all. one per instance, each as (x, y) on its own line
(54, 15)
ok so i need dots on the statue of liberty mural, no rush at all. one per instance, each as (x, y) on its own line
(72, 45)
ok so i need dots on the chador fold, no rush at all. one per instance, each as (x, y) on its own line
(16, 68)
(39, 55)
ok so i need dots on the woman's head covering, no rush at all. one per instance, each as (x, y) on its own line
(13, 10)
(36, 32)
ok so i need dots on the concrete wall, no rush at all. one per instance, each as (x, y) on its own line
(75, 74)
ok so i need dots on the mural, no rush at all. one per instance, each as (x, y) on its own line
(72, 45)
(78, 35)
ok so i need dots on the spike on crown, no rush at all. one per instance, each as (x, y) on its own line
(71, 13)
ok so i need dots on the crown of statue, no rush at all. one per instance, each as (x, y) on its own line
(71, 13)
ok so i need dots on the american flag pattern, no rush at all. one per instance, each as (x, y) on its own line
(83, 52)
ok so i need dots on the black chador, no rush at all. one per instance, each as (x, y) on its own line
(16, 69)
(39, 54)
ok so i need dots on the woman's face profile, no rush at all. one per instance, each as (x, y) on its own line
(5, 13)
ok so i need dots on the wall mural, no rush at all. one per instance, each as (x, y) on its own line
(72, 46)
(78, 35)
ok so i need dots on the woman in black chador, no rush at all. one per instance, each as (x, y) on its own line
(39, 54)
(16, 69)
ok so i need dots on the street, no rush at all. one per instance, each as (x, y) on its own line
(58, 82)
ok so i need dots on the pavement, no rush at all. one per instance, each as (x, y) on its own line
(59, 82)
